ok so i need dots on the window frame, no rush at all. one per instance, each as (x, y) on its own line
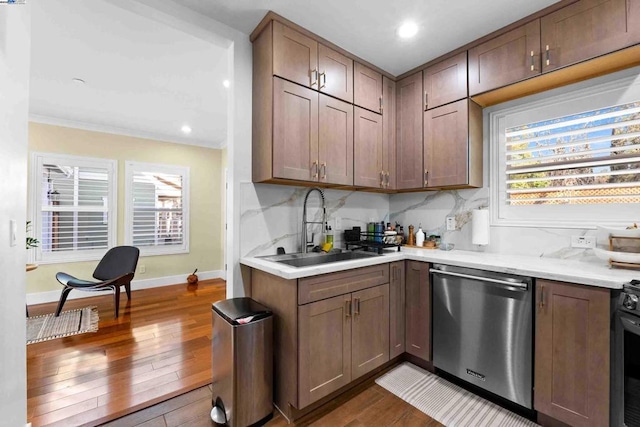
(38, 159)
(131, 167)
(597, 93)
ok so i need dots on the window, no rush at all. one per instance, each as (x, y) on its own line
(569, 159)
(73, 207)
(157, 208)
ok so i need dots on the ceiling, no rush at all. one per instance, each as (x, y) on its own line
(368, 28)
(145, 78)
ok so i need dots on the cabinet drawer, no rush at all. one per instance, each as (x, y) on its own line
(330, 285)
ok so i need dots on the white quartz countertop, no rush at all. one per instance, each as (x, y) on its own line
(596, 273)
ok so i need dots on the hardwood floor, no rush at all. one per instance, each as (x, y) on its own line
(371, 406)
(159, 348)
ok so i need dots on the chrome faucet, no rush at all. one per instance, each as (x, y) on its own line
(305, 243)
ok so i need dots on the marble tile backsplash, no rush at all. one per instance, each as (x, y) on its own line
(272, 217)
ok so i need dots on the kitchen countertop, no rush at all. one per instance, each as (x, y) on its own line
(596, 273)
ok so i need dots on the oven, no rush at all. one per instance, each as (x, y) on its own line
(625, 378)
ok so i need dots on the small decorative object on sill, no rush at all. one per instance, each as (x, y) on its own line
(192, 279)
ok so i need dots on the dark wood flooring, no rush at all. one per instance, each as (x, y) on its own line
(159, 348)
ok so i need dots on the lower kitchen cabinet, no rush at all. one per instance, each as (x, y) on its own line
(572, 353)
(418, 310)
(396, 309)
(341, 339)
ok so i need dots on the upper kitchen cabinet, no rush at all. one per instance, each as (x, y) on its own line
(335, 141)
(367, 88)
(506, 59)
(368, 163)
(389, 133)
(453, 145)
(303, 60)
(445, 81)
(572, 353)
(588, 28)
(409, 110)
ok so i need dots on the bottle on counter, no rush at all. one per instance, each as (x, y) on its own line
(419, 236)
(411, 239)
(371, 227)
(328, 240)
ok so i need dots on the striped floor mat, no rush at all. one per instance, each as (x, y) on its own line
(447, 403)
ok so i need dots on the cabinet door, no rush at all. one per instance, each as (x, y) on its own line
(409, 172)
(396, 309)
(324, 348)
(335, 141)
(446, 145)
(295, 132)
(389, 132)
(295, 56)
(507, 59)
(418, 320)
(368, 149)
(367, 85)
(369, 330)
(588, 28)
(335, 73)
(572, 353)
(446, 81)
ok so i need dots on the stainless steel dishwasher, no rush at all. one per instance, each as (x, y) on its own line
(482, 330)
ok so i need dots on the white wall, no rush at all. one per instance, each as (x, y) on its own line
(15, 39)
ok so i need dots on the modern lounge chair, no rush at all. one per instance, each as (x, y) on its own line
(115, 269)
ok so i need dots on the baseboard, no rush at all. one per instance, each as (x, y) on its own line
(136, 284)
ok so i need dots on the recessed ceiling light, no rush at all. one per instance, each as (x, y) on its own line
(78, 81)
(226, 83)
(186, 129)
(408, 30)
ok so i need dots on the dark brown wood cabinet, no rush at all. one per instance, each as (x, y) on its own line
(572, 353)
(389, 133)
(295, 131)
(418, 310)
(586, 29)
(335, 141)
(369, 330)
(368, 171)
(506, 59)
(453, 145)
(445, 81)
(367, 88)
(409, 110)
(396, 309)
(304, 61)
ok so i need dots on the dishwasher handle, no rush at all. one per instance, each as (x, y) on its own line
(505, 284)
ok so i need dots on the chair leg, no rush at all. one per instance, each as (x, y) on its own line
(116, 298)
(63, 298)
(127, 288)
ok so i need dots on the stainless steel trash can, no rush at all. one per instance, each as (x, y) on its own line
(242, 363)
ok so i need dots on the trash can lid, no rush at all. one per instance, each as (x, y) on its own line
(240, 311)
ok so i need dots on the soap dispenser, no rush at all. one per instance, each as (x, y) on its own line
(419, 236)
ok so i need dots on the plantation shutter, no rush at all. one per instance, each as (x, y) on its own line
(74, 208)
(158, 209)
(587, 158)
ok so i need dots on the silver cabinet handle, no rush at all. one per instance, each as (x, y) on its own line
(386, 180)
(426, 177)
(532, 62)
(314, 167)
(382, 179)
(356, 302)
(323, 80)
(505, 284)
(381, 107)
(347, 308)
(323, 168)
(314, 77)
(426, 99)
(547, 55)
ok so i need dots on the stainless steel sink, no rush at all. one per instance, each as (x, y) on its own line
(316, 258)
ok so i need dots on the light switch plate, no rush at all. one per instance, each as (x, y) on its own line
(13, 232)
(583, 242)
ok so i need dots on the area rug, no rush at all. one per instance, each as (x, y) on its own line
(73, 322)
(447, 403)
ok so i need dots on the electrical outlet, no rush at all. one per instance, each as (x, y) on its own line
(451, 223)
(338, 223)
(142, 269)
(583, 242)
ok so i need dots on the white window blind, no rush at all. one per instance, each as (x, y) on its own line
(157, 208)
(587, 158)
(74, 205)
(568, 157)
